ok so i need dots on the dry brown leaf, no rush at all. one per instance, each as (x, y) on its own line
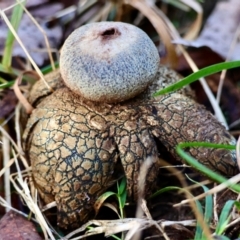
(14, 226)
(219, 30)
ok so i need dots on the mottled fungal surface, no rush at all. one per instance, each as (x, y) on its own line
(116, 61)
(75, 144)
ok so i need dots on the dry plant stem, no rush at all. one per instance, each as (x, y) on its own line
(58, 15)
(219, 188)
(6, 160)
(24, 49)
(48, 206)
(234, 222)
(102, 12)
(190, 223)
(119, 6)
(110, 227)
(4, 169)
(18, 134)
(234, 210)
(28, 107)
(218, 112)
(17, 127)
(197, 185)
(196, 26)
(141, 187)
(158, 24)
(4, 132)
(43, 33)
(215, 206)
(83, 6)
(13, 5)
(140, 206)
(192, 204)
(223, 73)
(158, 226)
(106, 10)
(25, 193)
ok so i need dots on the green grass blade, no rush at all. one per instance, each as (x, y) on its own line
(203, 169)
(208, 203)
(48, 68)
(6, 85)
(166, 189)
(113, 236)
(178, 5)
(224, 217)
(195, 76)
(122, 186)
(122, 200)
(199, 231)
(15, 21)
(237, 204)
(208, 213)
(207, 144)
(122, 195)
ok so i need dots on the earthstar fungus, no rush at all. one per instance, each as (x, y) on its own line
(102, 113)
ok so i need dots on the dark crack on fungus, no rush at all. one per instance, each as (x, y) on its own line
(110, 34)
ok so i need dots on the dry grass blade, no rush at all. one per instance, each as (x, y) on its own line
(141, 207)
(233, 223)
(215, 214)
(192, 204)
(216, 189)
(103, 13)
(5, 133)
(48, 206)
(21, 186)
(218, 112)
(17, 127)
(28, 107)
(7, 166)
(162, 29)
(196, 25)
(6, 161)
(110, 227)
